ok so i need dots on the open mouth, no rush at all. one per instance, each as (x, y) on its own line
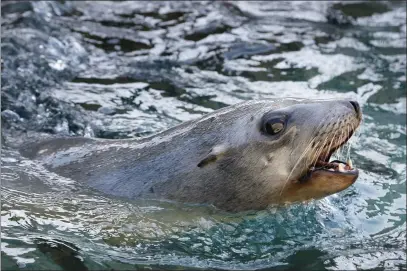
(335, 166)
(323, 163)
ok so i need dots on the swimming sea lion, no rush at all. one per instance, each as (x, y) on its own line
(242, 157)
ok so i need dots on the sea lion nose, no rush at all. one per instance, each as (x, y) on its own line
(356, 106)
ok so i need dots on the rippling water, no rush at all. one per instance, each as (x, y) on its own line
(128, 69)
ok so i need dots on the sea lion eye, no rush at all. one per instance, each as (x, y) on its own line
(274, 126)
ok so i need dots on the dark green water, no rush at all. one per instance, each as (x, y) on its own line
(128, 69)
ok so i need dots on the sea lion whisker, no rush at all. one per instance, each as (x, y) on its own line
(316, 147)
(313, 157)
(313, 154)
(357, 132)
(308, 149)
(334, 136)
(340, 149)
(313, 139)
(343, 147)
(330, 145)
(303, 153)
(351, 129)
(348, 127)
(296, 164)
(318, 153)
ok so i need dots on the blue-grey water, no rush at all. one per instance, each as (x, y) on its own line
(120, 69)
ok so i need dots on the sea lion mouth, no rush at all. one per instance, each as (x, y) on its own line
(335, 167)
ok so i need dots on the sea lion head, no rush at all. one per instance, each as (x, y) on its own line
(305, 136)
(285, 156)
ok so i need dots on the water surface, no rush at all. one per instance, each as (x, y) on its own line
(129, 69)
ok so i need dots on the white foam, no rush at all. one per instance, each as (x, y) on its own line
(398, 108)
(396, 17)
(366, 91)
(347, 42)
(370, 75)
(329, 66)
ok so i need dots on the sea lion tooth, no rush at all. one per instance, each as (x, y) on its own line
(341, 168)
(349, 163)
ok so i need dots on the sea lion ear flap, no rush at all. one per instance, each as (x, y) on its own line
(214, 154)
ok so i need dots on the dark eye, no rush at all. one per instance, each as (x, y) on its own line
(274, 126)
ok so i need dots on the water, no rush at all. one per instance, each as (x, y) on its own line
(128, 69)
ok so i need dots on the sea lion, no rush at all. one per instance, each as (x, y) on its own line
(242, 157)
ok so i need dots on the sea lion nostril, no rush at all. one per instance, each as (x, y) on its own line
(355, 106)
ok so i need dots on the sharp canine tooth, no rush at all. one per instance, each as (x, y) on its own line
(350, 163)
(341, 168)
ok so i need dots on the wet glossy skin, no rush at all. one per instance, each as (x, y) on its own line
(321, 183)
(224, 158)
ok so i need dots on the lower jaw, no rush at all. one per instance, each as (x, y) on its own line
(317, 184)
(335, 167)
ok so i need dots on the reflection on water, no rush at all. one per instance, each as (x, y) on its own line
(129, 69)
